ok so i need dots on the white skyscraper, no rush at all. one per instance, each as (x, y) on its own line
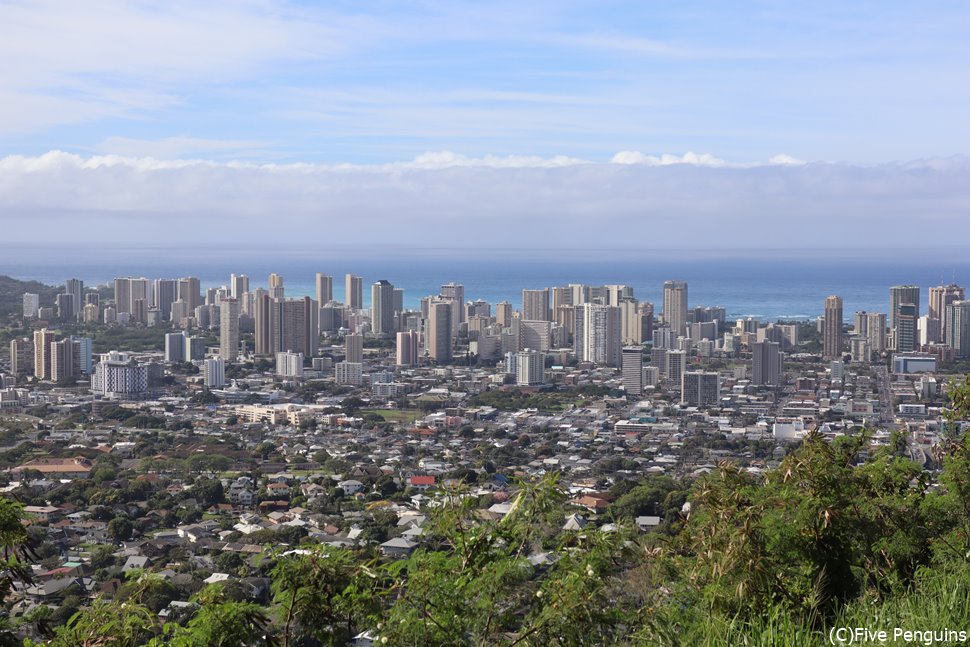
(229, 330)
(633, 370)
(529, 368)
(597, 336)
(675, 306)
(215, 372)
(31, 305)
(289, 364)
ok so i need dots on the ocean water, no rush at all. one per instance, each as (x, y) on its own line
(788, 284)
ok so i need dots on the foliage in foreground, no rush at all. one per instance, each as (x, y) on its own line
(837, 535)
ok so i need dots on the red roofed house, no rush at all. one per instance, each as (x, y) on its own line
(421, 482)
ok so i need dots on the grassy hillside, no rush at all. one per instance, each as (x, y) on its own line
(12, 293)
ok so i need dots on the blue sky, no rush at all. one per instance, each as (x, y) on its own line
(392, 110)
(386, 81)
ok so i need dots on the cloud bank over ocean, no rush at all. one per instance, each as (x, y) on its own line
(447, 199)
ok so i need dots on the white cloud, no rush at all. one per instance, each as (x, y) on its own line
(446, 199)
(74, 62)
(785, 160)
(636, 157)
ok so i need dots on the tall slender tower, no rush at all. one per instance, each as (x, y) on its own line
(42, 353)
(238, 285)
(437, 335)
(229, 329)
(597, 337)
(324, 289)
(407, 348)
(939, 301)
(75, 287)
(354, 292)
(455, 292)
(832, 330)
(898, 295)
(675, 306)
(276, 289)
(382, 307)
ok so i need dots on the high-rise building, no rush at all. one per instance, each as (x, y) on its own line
(832, 328)
(407, 348)
(332, 316)
(579, 292)
(276, 289)
(530, 368)
(214, 372)
(700, 388)
(139, 311)
(633, 370)
(289, 364)
(939, 300)
(263, 306)
(354, 348)
(348, 373)
(456, 293)
(437, 331)
(503, 314)
(311, 326)
(164, 294)
(42, 353)
(190, 291)
(597, 338)
(83, 354)
(675, 306)
(617, 293)
(898, 295)
(91, 314)
(560, 296)
(535, 305)
(31, 305)
(631, 326)
(324, 283)
(536, 335)
(876, 331)
(21, 356)
(238, 285)
(766, 361)
(65, 307)
(904, 334)
(64, 356)
(175, 347)
(229, 330)
(75, 287)
(354, 292)
(859, 346)
(117, 376)
(676, 364)
(128, 290)
(382, 308)
(957, 329)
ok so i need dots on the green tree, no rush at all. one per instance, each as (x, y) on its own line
(120, 528)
